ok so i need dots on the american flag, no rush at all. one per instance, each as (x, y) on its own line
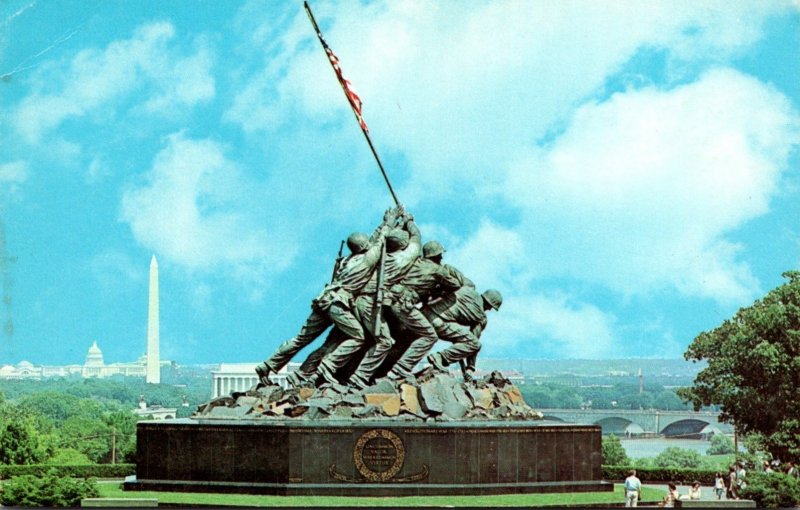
(349, 91)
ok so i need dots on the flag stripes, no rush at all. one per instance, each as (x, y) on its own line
(349, 91)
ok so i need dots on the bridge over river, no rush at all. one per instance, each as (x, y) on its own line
(651, 421)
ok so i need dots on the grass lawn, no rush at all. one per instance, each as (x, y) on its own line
(108, 490)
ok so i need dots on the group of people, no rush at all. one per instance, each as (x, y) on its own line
(389, 301)
(633, 492)
(735, 482)
(730, 485)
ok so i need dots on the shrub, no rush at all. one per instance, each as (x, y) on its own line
(75, 471)
(772, 490)
(720, 445)
(674, 457)
(48, 490)
(677, 475)
(613, 452)
(68, 456)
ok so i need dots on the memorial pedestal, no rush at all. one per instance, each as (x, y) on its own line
(367, 458)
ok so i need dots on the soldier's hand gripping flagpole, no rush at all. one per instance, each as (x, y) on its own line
(352, 98)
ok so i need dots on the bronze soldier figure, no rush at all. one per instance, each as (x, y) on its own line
(402, 250)
(426, 279)
(333, 306)
(460, 318)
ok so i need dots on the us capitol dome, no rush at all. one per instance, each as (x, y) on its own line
(94, 366)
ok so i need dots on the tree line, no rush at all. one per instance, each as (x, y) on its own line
(617, 396)
(63, 421)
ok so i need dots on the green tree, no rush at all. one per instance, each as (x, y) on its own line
(90, 436)
(674, 457)
(668, 400)
(636, 400)
(67, 457)
(21, 443)
(59, 406)
(753, 369)
(550, 396)
(123, 426)
(720, 445)
(774, 490)
(613, 452)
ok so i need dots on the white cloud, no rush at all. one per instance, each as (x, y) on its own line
(500, 258)
(193, 212)
(645, 187)
(15, 172)
(425, 71)
(542, 323)
(95, 78)
(12, 175)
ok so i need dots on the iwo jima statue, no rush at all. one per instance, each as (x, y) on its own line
(388, 303)
(361, 416)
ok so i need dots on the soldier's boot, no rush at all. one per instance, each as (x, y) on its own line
(437, 361)
(469, 375)
(298, 379)
(262, 371)
(399, 374)
(325, 375)
(357, 382)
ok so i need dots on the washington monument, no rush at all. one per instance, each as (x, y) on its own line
(153, 364)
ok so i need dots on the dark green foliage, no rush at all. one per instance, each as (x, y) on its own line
(753, 369)
(47, 490)
(550, 396)
(613, 452)
(68, 456)
(636, 400)
(674, 457)
(59, 406)
(75, 471)
(661, 475)
(21, 443)
(772, 490)
(668, 400)
(720, 445)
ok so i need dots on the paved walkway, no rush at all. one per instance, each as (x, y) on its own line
(706, 492)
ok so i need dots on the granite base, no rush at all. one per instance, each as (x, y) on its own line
(367, 458)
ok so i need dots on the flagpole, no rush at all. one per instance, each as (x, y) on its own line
(360, 119)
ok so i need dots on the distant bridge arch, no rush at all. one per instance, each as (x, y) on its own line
(683, 428)
(614, 425)
(651, 421)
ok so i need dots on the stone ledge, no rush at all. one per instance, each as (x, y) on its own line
(119, 502)
(715, 503)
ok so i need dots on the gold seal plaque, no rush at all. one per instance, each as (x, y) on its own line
(379, 455)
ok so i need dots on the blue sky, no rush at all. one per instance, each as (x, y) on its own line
(626, 173)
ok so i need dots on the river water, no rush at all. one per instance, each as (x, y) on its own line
(652, 446)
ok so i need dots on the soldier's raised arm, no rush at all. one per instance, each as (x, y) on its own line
(389, 219)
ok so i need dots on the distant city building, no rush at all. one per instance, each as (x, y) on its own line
(93, 366)
(147, 366)
(231, 377)
(155, 412)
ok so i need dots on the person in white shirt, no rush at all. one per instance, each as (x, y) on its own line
(694, 491)
(633, 487)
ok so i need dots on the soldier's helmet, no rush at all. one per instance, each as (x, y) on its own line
(357, 242)
(494, 298)
(396, 239)
(432, 249)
